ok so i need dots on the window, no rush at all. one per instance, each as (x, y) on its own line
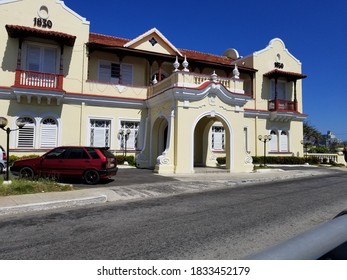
(218, 136)
(111, 72)
(100, 133)
(279, 141)
(281, 90)
(58, 153)
(132, 141)
(49, 133)
(284, 141)
(273, 144)
(77, 153)
(245, 135)
(41, 59)
(26, 135)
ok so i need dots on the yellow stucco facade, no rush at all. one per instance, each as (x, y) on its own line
(178, 109)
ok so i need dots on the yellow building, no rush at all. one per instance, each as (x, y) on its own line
(177, 108)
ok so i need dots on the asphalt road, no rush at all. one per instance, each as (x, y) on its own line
(221, 224)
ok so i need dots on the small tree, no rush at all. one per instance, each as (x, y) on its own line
(311, 134)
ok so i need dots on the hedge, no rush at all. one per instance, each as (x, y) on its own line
(278, 160)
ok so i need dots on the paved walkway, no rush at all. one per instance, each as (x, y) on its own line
(133, 184)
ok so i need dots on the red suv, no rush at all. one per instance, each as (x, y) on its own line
(89, 163)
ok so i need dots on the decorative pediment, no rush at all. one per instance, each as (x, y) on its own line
(154, 41)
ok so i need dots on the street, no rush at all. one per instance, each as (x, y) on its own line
(222, 224)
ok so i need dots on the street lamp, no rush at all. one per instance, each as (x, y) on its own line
(264, 139)
(124, 137)
(3, 123)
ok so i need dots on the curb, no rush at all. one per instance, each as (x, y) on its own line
(52, 205)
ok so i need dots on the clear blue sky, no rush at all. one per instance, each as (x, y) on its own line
(315, 32)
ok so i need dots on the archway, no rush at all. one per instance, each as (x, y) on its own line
(211, 139)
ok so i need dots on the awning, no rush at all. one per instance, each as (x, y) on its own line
(291, 76)
(17, 31)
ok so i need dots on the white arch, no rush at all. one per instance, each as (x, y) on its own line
(212, 113)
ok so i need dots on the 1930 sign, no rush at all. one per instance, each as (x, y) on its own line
(42, 22)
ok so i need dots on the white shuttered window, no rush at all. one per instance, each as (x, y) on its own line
(26, 135)
(100, 133)
(273, 144)
(131, 141)
(111, 72)
(49, 133)
(218, 135)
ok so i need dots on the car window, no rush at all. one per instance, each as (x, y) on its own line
(57, 153)
(77, 153)
(106, 153)
(92, 153)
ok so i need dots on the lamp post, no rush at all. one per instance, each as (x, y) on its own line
(3, 123)
(264, 138)
(305, 144)
(125, 136)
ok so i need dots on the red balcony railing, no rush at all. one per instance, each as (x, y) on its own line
(282, 105)
(38, 80)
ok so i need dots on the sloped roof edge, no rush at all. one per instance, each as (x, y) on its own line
(156, 31)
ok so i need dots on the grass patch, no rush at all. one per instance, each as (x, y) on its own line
(27, 187)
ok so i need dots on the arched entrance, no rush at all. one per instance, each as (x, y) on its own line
(211, 140)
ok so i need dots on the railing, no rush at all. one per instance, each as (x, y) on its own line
(282, 105)
(39, 80)
(192, 80)
(326, 158)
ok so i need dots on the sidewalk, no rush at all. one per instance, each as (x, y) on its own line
(149, 187)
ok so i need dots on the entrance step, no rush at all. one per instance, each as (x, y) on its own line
(210, 170)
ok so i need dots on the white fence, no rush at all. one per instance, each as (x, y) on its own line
(338, 158)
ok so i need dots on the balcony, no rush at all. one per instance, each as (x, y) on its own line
(282, 105)
(194, 80)
(38, 80)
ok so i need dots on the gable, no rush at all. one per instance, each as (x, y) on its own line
(153, 41)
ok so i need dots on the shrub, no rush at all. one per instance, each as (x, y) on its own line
(221, 160)
(130, 159)
(278, 160)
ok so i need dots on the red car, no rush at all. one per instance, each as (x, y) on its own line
(89, 163)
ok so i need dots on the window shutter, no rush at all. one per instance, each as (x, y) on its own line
(49, 61)
(105, 71)
(273, 143)
(49, 133)
(33, 58)
(126, 74)
(284, 141)
(26, 136)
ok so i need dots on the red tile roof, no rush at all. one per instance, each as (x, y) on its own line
(107, 40)
(289, 75)
(119, 42)
(15, 31)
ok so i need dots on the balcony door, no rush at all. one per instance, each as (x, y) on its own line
(41, 66)
(41, 59)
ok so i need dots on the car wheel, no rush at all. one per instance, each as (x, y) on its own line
(91, 177)
(26, 173)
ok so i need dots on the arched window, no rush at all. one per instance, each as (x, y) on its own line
(284, 141)
(273, 144)
(26, 135)
(49, 133)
